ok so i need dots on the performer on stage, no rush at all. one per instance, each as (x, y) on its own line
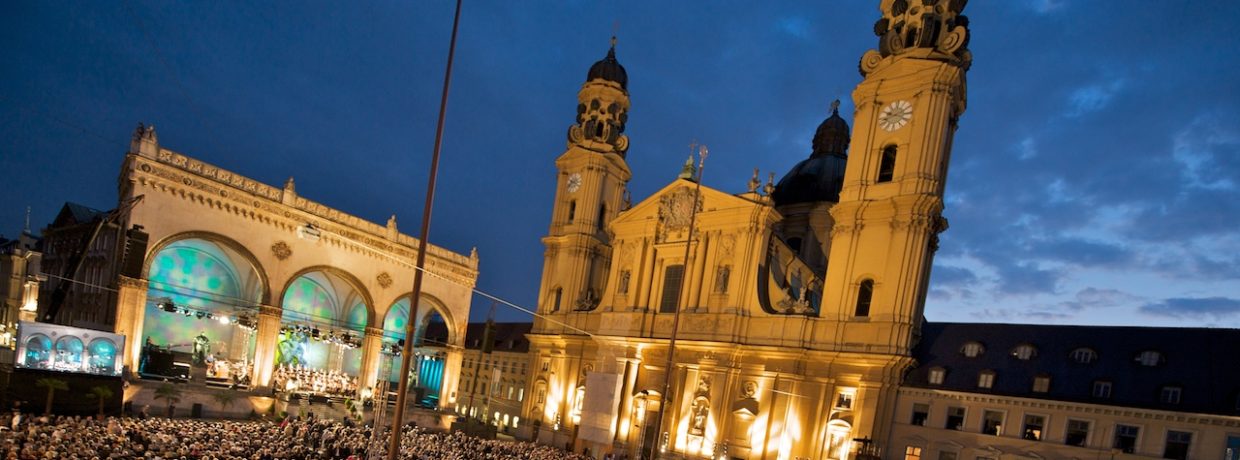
(202, 346)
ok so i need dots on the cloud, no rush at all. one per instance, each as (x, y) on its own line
(1026, 278)
(1083, 252)
(1092, 98)
(952, 276)
(1047, 6)
(1195, 308)
(1091, 297)
(795, 26)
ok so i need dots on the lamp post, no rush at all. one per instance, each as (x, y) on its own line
(671, 343)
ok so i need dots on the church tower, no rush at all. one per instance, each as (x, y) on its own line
(590, 191)
(889, 214)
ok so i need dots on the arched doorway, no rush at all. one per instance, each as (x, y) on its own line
(200, 312)
(324, 315)
(432, 336)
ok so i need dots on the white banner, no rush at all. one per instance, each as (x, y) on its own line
(599, 407)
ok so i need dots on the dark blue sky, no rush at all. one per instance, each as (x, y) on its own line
(1095, 177)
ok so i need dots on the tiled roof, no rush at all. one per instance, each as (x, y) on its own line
(509, 337)
(1205, 363)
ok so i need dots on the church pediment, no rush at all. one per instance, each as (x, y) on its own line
(671, 207)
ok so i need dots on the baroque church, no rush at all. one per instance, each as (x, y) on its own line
(790, 309)
(786, 321)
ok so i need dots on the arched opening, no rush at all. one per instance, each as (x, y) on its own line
(323, 316)
(201, 310)
(838, 438)
(432, 335)
(572, 211)
(865, 294)
(887, 165)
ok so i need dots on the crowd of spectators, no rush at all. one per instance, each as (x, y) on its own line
(82, 438)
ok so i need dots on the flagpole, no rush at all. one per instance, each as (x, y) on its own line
(671, 343)
(411, 322)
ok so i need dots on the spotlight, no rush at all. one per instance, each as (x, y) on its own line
(224, 320)
(315, 333)
(168, 307)
(200, 315)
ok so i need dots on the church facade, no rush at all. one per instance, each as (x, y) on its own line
(776, 322)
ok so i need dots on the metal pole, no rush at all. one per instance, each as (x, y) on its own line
(671, 343)
(411, 323)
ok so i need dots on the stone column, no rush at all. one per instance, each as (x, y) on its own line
(265, 345)
(372, 340)
(452, 363)
(130, 313)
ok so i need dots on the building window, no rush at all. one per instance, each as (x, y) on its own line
(572, 211)
(844, 401)
(865, 293)
(602, 218)
(520, 394)
(1077, 434)
(1170, 395)
(559, 296)
(955, 418)
(986, 379)
(672, 277)
(947, 455)
(972, 349)
(1150, 358)
(546, 365)
(887, 166)
(1033, 427)
(1177, 445)
(912, 453)
(1042, 384)
(1084, 355)
(1126, 438)
(936, 375)
(992, 422)
(1102, 389)
(795, 245)
(1024, 352)
(920, 413)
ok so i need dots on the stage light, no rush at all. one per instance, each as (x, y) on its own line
(315, 333)
(224, 320)
(200, 315)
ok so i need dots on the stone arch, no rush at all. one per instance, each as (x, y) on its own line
(437, 306)
(263, 280)
(347, 277)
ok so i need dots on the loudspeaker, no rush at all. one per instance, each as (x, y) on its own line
(196, 411)
(135, 252)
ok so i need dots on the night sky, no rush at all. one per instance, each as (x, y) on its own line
(1095, 177)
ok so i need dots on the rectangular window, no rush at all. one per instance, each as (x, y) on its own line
(1102, 389)
(955, 418)
(1077, 434)
(521, 394)
(1177, 445)
(920, 413)
(912, 453)
(672, 277)
(992, 422)
(947, 455)
(844, 401)
(1033, 427)
(936, 375)
(1126, 438)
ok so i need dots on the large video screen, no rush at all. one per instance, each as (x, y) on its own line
(59, 348)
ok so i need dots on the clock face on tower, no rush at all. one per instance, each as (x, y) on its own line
(895, 115)
(574, 182)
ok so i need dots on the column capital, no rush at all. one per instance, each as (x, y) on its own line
(127, 282)
(374, 331)
(270, 310)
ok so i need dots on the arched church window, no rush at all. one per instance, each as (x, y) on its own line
(572, 211)
(865, 293)
(887, 165)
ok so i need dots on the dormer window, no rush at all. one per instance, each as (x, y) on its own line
(1170, 394)
(972, 349)
(986, 379)
(1084, 355)
(1042, 384)
(1149, 358)
(1024, 352)
(936, 375)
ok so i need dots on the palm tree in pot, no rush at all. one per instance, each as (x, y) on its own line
(172, 394)
(52, 385)
(102, 394)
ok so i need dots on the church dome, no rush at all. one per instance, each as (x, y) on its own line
(821, 176)
(610, 69)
